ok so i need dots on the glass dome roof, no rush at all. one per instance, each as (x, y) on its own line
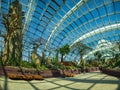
(55, 23)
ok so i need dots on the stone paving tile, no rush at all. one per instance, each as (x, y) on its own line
(80, 86)
(105, 87)
(85, 81)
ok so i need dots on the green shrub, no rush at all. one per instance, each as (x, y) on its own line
(0, 63)
(117, 64)
(43, 67)
(57, 66)
(33, 65)
(70, 67)
(26, 64)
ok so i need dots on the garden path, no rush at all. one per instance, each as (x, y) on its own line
(84, 81)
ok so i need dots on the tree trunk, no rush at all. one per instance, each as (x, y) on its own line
(43, 60)
(62, 58)
(81, 57)
(13, 39)
(13, 47)
(48, 60)
(56, 56)
(81, 62)
(6, 48)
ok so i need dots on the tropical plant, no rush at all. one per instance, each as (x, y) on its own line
(116, 51)
(48, 62)
(43, 67)
(43, 59)
(54, 60)
(98, 55)
(92, 63)
(38, 59)
(56, 54)
(64, 50)
(118, 44)
(82, 49)
(26, 64)
(57, 66)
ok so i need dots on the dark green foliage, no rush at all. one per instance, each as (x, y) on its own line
(33, 65)
(117, 64)
(60, 66)
(57, 67)
(26, 64)
(1, 63)
(98, 55)
(92, 63)
(82, 49)
(64, 50)
(70, 67)
(56, 55)
(43, 67)
(12, 62)
(54, 61)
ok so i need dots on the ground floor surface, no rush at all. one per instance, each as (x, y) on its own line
(85, 81)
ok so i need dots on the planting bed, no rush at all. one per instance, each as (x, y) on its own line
(30, 74)
(112, 72)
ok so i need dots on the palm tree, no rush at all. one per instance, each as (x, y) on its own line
(48, 62)
(64, 50)
(56, 55)
(81, 49)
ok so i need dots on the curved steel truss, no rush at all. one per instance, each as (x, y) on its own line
(55, 23)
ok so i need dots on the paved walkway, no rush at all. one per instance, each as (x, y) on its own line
(87, 81)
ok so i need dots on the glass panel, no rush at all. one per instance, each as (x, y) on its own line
(95, 13)
(102, 10)
(110, 8)
(117, 6)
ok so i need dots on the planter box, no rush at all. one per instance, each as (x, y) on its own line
(24, 71)
(16, 70)
(17, 73)
(111, 72)
(51, 73)
(91, 69)
(32, 72)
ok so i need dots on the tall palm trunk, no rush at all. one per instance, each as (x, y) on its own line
(81, 57)
(56, 56)
(62, 58)
(81, 62)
